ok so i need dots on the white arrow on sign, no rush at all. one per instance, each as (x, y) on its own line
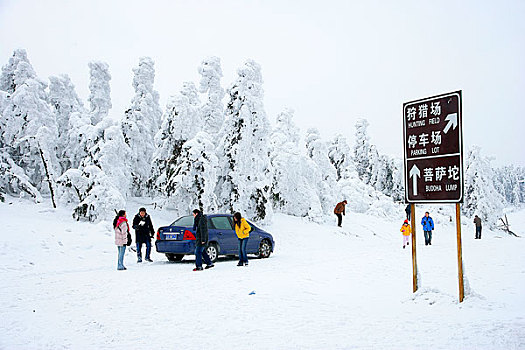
(452, 122)
(414, 174)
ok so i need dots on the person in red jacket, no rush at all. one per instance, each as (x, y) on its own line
(339, 211)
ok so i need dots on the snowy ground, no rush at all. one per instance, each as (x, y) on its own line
(323, 288)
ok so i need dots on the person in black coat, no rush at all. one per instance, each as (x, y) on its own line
(408, 210)
(200, 226)
(143, 233)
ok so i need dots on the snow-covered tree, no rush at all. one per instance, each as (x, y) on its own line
(190, 91)
(180, 123)
(380, 171)
(141, 123)
(192, 183)
(362, 150)
(99, 178)
(112, 156)
(29, 128)
(4, 99)
(508, 183)
(16, 71)
(80, 138)
(102, 181)
(397, 188)
(480, 196)
(294, 177)
(99, 91)
(64, 102)
(340, 154)
(13, 179)
(243, 151)
(212, 110)
(327, 189)
(94, 191)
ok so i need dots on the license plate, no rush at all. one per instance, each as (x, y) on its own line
(171, 236)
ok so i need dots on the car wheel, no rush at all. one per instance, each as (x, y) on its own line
(213, 251)
(265, 249)
(174, 257)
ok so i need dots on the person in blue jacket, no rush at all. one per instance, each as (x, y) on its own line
(428, 226)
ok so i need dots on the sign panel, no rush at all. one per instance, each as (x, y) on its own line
(433, 143)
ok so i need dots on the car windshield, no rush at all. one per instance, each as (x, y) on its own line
(185, 221)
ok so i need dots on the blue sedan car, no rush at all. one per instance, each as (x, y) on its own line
(178, 239)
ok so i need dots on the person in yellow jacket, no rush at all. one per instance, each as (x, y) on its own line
(242, 229)
(407, 230)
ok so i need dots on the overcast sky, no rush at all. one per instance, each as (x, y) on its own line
(331, 61)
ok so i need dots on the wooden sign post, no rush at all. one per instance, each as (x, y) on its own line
(414, 260)
(460, 254)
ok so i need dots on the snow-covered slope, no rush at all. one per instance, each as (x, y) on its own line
(323, 288)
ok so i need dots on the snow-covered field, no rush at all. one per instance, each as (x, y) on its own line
(323, 288)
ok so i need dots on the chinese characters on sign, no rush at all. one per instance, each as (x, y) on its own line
(433, 149)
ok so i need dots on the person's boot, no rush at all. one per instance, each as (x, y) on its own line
(198, 269)
(139, 259)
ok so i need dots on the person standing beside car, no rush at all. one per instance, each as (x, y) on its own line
(143, 233)
(121, 227)
(242, 229)
(200, 226)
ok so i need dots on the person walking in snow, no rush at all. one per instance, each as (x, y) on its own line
(406, 230)
(121, 227)
(428, 226)
(242, 229)
(200, 226)
(143, 233)
(477, 222)
(408, 210)
(339, 211)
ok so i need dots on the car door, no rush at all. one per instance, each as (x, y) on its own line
(225, 233)
(253, 243)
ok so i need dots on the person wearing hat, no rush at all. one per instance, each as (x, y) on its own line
(339, 211)
(143, 233)
(406, 230)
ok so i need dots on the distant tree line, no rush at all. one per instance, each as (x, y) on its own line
(199, 152)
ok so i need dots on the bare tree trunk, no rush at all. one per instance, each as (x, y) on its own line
(48, 178)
